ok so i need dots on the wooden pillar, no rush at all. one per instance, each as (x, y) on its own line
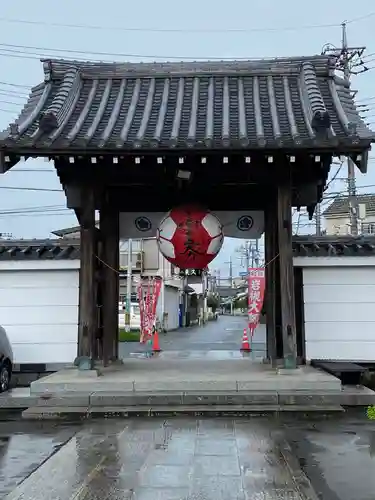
(271, 251)
(87, 296)
(109, 226)
(286, 276)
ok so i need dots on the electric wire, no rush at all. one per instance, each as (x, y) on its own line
(177, 30)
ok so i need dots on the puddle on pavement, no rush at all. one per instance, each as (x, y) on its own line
(339, 460)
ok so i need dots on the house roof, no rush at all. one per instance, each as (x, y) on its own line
(276, 103)
(333, 246)
(69, 230)
(48, 249)
(340, 206)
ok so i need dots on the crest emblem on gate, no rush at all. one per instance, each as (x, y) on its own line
(244, 223)
(143, 224)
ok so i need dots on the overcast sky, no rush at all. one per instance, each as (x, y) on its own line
(155, 30)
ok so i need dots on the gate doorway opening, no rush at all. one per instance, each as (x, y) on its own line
(249, 135)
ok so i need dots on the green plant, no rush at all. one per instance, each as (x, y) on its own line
(132, 336)
(240, 303)
(212, 302)
(371, 412)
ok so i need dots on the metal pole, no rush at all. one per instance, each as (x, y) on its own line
(129, 284)
(162, 291)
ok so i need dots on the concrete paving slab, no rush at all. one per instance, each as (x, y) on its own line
(63, 400)
(156, 459)
(55, 412)
(17, 398)
(231, 398)
(186, 385)
(357, 396)
(50, 413)
(133, 399)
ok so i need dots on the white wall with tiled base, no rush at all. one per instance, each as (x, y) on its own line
(39, 309)
(339, 307)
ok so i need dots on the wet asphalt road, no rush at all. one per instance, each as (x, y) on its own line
(186, 459)
(225, 334)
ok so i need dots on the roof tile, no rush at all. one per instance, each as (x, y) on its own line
(242, 104)
(340, 206)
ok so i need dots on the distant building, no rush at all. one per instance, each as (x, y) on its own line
(146, 261)
(337, 216)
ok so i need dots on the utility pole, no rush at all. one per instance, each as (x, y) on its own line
(345, 64)
(230, 270)
(245, 254)
(352, 192)
(318, 220)
(256, 259)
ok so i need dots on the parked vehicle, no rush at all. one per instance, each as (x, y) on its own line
(6, 361)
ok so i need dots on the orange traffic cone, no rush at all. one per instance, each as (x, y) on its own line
(245, 342)
(155, 342)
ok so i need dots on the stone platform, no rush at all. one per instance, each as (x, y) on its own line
(150, 375)
(152, 386)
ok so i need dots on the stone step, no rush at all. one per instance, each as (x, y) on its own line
(76, 412)
(348, 396)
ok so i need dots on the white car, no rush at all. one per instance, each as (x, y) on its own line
(6, 361)
(135, 316)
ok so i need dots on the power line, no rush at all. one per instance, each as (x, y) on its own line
(24, 54)
(16, 188)
(15, 170)
(174, 30)
(40, 214)
(32, 209)
(181, 30)
(8, 84)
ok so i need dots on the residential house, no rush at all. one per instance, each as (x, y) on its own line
(337, 215)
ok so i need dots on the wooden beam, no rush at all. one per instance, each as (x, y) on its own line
(288, 318)
(87, 296)
(109, 227)
(271, 256)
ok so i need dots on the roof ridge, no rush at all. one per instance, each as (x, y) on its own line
(56, 67)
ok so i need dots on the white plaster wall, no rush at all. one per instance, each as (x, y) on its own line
(337, 225)
(339, 307)
(171, 306)
(341, 225)
(39, 311)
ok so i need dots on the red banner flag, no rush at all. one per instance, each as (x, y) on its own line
(148, 295)
(257, 283)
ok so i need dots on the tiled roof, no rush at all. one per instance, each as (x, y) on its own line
(69, 230)
(303, 246)
(295, 102)
(340, 206)
(329, 246)
(39, 249)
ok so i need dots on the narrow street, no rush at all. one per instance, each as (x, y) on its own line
(225, 334)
